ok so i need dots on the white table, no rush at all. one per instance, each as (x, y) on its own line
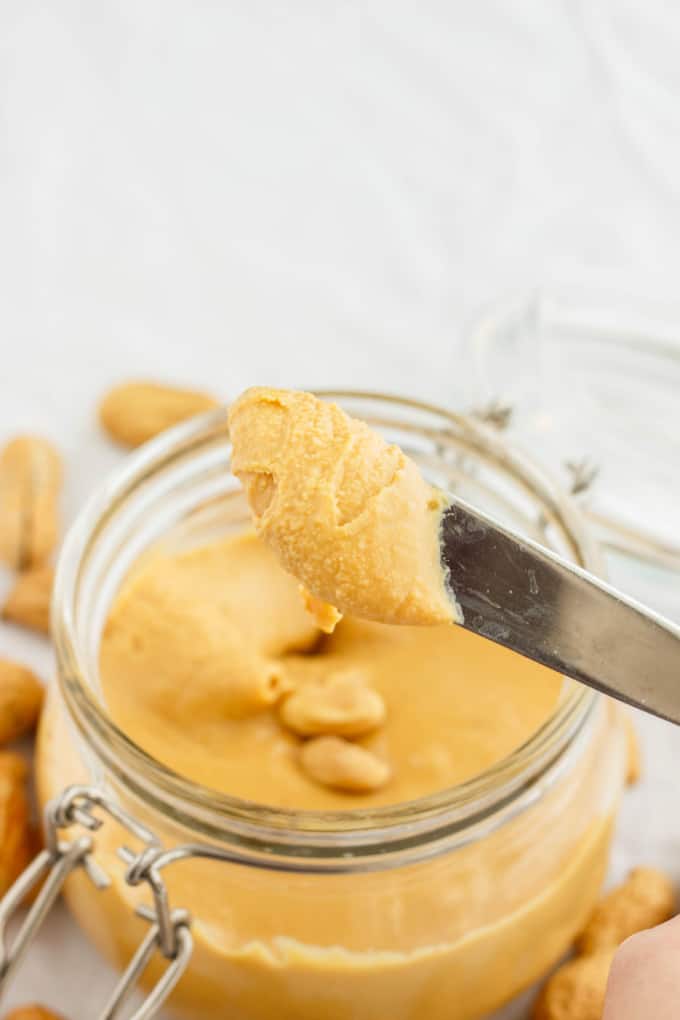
(314, 194)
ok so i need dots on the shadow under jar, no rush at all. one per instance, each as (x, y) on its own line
(443, 908)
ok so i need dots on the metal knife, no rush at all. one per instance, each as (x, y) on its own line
(515, 592)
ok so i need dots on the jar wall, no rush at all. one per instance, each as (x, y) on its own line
(450, 938)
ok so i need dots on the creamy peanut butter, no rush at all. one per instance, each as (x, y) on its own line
(346, 513)
(449, 938)
(202, 646)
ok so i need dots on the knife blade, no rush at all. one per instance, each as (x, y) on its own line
(519, 594)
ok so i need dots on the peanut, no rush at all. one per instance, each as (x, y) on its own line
(327, 616)
(21, 697)
(30, 479)
(342, 706)
(136, 411)
(28, 603)
(33, 1013)
(645, 899)
(634, 757)
(341, 765)
(16, 840)
(576, 991)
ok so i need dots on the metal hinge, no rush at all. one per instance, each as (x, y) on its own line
(169, 932)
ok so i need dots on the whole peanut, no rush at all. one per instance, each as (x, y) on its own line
(645, 899)
(134, 412)
(28, 603)
(16, 840)
(30, 481)
(577, 990)
(21, 697)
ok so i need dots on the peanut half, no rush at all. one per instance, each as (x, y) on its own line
(645, 899)
(137, 411)
(28, 603)
(33, 1013)
(16, 840)
(21, 697)
(341, 765)
(577, 990)
(342, 705)
(30, 480)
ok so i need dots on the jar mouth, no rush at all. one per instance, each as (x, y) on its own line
(503, 790)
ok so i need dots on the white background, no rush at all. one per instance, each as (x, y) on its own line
(313, 194)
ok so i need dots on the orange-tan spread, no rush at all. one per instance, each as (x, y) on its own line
(202, 646)
(443, 940)
(346, 513)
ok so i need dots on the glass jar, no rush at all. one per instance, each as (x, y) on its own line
(443, 908)
(589, 382)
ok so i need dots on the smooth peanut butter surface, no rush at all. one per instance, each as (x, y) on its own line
(345, 512)
(204, 649)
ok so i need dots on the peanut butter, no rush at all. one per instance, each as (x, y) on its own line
(202, 648)
(445, 939)
(346, 513)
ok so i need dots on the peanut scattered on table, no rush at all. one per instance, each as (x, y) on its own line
(21, 698)
(134, 412)
(576, 991)
(30, 481)
(645, 899)
(16, 840)
(341, 765)
(28, 603)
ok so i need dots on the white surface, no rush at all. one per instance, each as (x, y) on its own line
(314, 194)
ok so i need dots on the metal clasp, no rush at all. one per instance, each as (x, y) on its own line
(169, 932)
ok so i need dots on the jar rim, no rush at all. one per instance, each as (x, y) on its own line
(499, 792)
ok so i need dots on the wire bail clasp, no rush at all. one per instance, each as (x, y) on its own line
(169, 933)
